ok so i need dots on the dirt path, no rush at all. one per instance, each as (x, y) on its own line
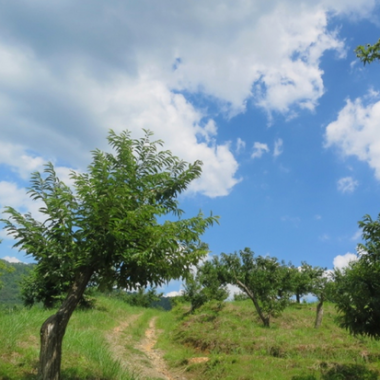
(141, 358)
(157, 361)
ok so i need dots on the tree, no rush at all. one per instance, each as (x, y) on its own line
(321, 288)
(106, 230)
(206, 285)
(302, 279)
(263, 279)
(357, 294)
(369, 53)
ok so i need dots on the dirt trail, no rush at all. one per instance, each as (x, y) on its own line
(157, 361)
(141, 358)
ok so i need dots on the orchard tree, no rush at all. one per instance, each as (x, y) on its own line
(321, 287)
(368, 53)
(357, 294)
(263, 279)
(206, 285)
(302, 278)
(109, 228)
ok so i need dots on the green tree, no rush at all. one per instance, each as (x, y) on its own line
(206, 285)
(107, 230)
(357, 294)
(302, 279)
(263, 279)
(368, 53)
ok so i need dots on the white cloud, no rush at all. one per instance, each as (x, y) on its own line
(13, 196)
(11, 259)
(174, 293)
(347, 185)
(342, 261)
(356, 132)
(60, 91)
(259, 149)
(317, 217)
(278, 147)
(240, 145)
(232, 290)
(357, 235)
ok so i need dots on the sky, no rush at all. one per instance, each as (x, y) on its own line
(268, 95)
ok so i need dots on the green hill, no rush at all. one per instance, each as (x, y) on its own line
(10, 292)
(115, 341)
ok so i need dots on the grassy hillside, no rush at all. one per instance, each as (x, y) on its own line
(232, 344)
(87, 347)
(106, 343)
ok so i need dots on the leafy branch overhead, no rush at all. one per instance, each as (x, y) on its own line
(368, 53)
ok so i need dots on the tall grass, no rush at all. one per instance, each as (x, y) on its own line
(86, 353)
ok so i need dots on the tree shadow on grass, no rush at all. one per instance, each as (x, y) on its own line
(343, 372)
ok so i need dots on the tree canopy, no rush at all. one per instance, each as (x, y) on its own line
(357, 293)
(264, 280)
(109, 228)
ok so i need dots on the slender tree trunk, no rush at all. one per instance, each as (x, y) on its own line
(265, 320)
(319, 316)
(53, 329)
(298, 298)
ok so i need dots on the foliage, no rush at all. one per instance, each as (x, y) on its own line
(4, 268)
(10, 294)
(205, 285)
(368, 53)
(106, 229)
(303, 278)
(36, 289)
(266, 282)
(357, 294)
(141, 298)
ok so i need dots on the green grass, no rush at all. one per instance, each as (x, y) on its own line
(86, 353)
(238, 347)
(232, 339)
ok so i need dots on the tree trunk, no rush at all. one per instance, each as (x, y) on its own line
(298, 298)
(319, 316)
(53, 329)
(265, 320)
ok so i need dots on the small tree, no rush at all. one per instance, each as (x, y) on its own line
(302, 279)
(206, 285)
(263, 279)
(357, 294)
(106, 231)
(321, 288)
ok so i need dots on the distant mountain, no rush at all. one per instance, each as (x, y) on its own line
(10, 292)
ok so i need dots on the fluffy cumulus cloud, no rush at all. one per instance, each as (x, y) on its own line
(355, 132)
(72, 70)
(347, 185)
(342, 261)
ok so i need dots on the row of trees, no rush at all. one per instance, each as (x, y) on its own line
(268, 283)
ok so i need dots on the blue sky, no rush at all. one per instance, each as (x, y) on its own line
(269, 95)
